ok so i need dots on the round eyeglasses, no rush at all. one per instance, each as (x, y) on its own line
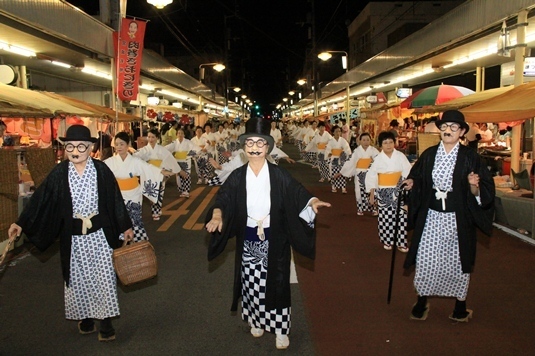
(259, 143)
(453, 127)
(81, 147)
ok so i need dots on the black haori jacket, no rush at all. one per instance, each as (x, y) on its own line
(288, 198)
(468, 213)
(49, 215)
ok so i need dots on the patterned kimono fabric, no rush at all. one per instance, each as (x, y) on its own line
(387, 201)
(221, 149)
(184, 184)
(335, 167)
(253, 275)
(438, 263)
(363, 198)
(92, 292)
(323, 166)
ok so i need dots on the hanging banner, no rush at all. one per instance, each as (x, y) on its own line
(129, 50)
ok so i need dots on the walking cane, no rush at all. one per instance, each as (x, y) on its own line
(4, 254)
(396, 229)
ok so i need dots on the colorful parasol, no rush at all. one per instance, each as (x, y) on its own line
(435, 95)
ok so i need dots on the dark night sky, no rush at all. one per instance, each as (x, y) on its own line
(269, 38)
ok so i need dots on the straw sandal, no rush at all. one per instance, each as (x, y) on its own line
(464, 319)
(416, 316)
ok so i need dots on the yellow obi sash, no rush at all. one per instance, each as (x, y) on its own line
(181, 154)
(321, 146)
(212, 143)
(389, 179)
(336, 152)
(202, 146)
(128, 183)
(155, 162)
(363, 163)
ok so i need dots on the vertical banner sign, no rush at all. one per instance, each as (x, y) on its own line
(129, 54)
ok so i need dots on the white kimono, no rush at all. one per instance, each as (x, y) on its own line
(387, 195)
(147, 183)
(159, 157)
(182, 152)
(350, 169)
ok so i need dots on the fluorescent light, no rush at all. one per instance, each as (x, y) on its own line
(96, 73)
(17, 50)
(61, 64)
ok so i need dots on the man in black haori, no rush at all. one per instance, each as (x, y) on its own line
(268, 211)
(80, 202)
(452, 194)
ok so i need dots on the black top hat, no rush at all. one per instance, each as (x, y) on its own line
(453, 116)
(78, 133)
(258, 127)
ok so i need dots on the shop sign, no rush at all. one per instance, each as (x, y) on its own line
(353, 113)
(129, 50)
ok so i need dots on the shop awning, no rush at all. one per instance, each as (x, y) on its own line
(515, 104)
(459, 103)
(25, 103)
(102, 111)
(30, 103)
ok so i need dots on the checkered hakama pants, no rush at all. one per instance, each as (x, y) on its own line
(438, 263)
(311, 157)
(156, 208)
(335, 168)
(300, 147)
(253, 278)
(363, 198)
(323, 167)
(387, 200)
(184, 184)
(134, 211)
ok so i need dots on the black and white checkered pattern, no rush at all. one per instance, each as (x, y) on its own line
(214, 181)
(438, 263)
(311, 157)
(387, 201)
(156, 208)
(254, 274)
(324, 169)
(339, 182)
(184, 184)
(363, 198)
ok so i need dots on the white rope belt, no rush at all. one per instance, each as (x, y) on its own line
(443, 196)
(86, 222)
(260, 227)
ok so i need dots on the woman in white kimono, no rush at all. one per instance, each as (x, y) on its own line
(202, 167)
(136, 178)
(383, 181)
(337, 152)
(183, 149)
(317, 145)
(159, 157)
(357, 167)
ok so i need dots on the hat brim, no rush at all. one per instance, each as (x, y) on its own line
(84, 139)
(269, 139)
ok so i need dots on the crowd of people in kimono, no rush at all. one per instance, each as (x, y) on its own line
(259, 202)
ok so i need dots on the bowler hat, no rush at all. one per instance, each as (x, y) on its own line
(453, 116)
(78, 133)
(258, 127)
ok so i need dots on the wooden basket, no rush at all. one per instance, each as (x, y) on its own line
(135, 262)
